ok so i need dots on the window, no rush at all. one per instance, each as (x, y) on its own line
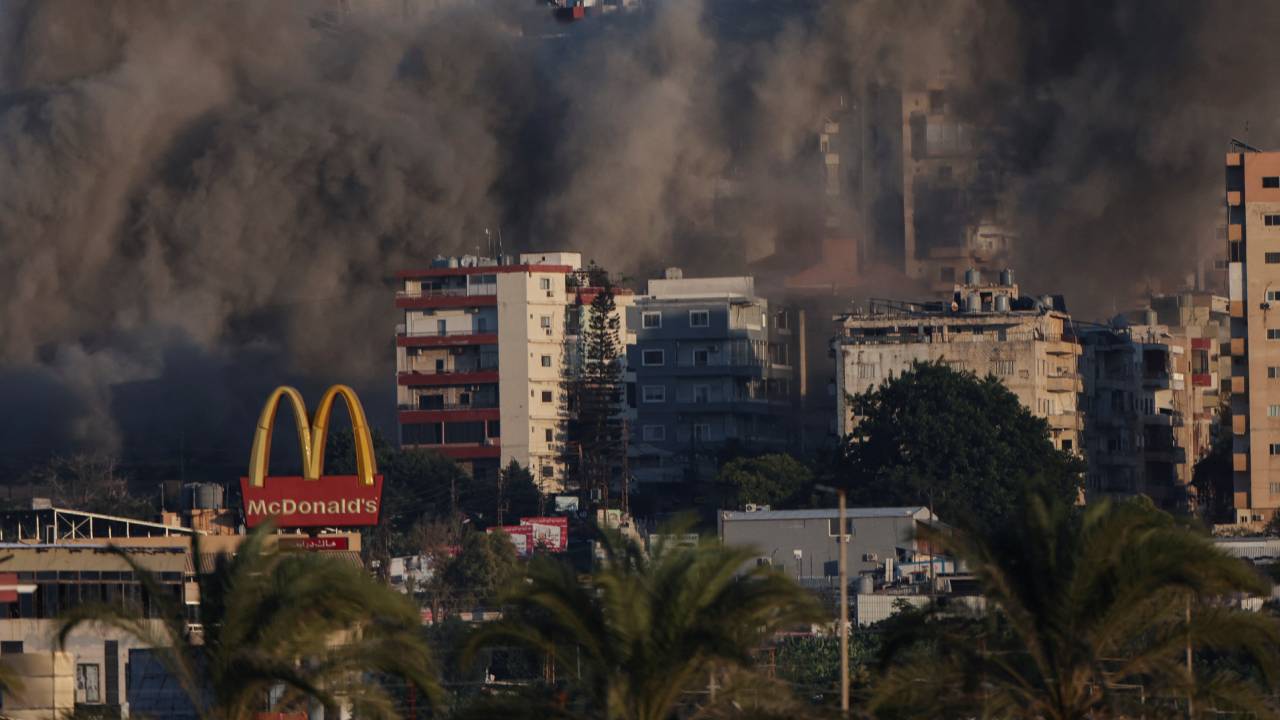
(482, 325)
(1271, 220)
(1271, 182)
(1273, 295)
(1272, 258)
(439, 365)
(87, 684)
(1273, 333)
(442, 327)
(833, 526)
(653, 357)
(651, 320)
(544, 283)
(654, 433)
(701, 393)
(701, 432)
(545, 322)
(549, 434)
(1273, 372)
(1275, 448)
(781, 321)
(1003, 367)
(547, 471)
(546, 396)
(699, 318)
(701, 358)
(546, 361)
(654, 393)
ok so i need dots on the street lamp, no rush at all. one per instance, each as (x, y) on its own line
(843, 540)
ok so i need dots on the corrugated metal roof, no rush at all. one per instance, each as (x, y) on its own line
(824, 513)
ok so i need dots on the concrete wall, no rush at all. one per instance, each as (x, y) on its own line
(779, 539)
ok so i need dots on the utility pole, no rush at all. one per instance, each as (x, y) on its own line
(844, 609)
(502, 481)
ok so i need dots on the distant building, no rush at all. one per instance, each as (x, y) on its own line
(1151, 396)
(481, 359)
(987, 328)
(803, 543)
(714, 363)
(1253, 280)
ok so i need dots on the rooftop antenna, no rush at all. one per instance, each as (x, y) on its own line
(1238, 144)
(499, 240)
(488, 242)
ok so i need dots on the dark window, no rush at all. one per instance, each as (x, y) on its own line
(1272, 258)
(495, 428)
(420, 434)
(1273, 333)
(937, 101)
(1272, 181)
(1271, 220)
(464, 432)
(833, 526)
(11, 647)
(547, 471)
(652, 357)
(430, 402)
(550, 434)
(546, 396)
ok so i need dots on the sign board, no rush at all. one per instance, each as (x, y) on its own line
(312, 499)
(521, 536)
(322, 543)
(549, 533)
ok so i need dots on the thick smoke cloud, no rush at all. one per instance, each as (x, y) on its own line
(199, 201)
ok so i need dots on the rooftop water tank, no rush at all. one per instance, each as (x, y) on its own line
(202, 496)
(972, 276)
(972, 303)
(673, 273)
(1006, 277)
(1002, 303)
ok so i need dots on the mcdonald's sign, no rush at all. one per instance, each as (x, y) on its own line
(312, 499)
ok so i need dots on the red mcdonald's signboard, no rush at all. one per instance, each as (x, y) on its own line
(312, 499)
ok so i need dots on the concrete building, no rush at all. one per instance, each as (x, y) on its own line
(987, 328)
(1150, 398)
(803, 543)
(482, 355)
(1253, 279)
(952, 217)
(713, 363)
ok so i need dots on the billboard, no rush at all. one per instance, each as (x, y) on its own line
(549, 533)
(312, 499)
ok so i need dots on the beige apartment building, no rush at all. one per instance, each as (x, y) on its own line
(986, 328)
(482, 355)
(1253, 280)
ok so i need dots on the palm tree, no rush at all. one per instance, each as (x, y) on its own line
(1094, 610)
(304, 623)
(644, 629)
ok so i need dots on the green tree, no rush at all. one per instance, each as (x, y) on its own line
(1088, 610)
(765, 480)
(304, 621)
(483, 566)
(964, 444)
(639, 632)
(595, 430)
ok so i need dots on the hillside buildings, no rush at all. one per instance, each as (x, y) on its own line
(481, 359)
(1253, 279)
(714, 363)
(987, 328)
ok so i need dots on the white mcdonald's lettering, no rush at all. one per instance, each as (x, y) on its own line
(289, 506)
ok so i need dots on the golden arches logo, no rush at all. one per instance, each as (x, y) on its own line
(312, 434)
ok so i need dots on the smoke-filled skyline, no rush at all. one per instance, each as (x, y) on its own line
(200, 201)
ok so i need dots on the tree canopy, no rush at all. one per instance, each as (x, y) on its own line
(765, 480)
(964, 444)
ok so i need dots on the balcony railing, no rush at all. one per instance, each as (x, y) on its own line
(447, 333)
(448, 406)
(486, 289)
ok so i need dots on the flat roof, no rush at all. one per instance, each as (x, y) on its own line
(20, 557)
(825, 513)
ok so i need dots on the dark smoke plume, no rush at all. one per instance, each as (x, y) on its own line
(201, 200)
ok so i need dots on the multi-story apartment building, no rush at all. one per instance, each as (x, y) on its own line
(1150, 398)
(1253, 280)
(951, 199)
(480, 360)
(987, 328)
(713, 363)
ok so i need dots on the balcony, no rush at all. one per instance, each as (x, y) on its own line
(1163, 419)
(1237, 347)
(445, 339)
(449, 413)
(1062, 347)
(474, 296)
(1065, 421)
(1238, 385)
(428, 379)
(474, 451)
(1064, 384)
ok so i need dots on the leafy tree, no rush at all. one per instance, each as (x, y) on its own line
(595, 430)
(765, 480)
(511, 487)
(964, 444)
(644, 628)
(483, 566)
(304, 621)
(1085, 606)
